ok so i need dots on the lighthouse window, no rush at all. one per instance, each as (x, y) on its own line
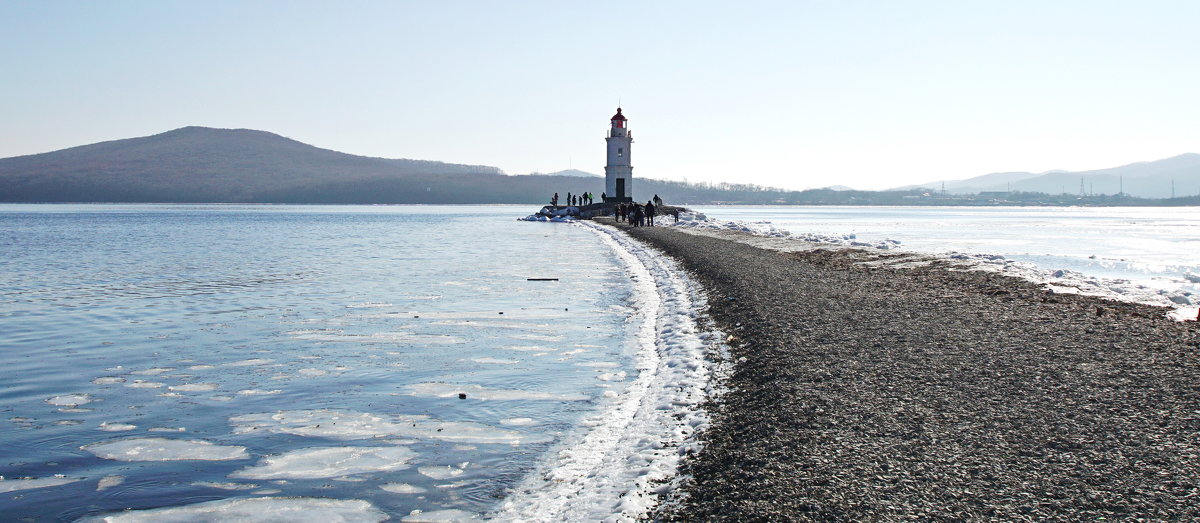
(620, 151)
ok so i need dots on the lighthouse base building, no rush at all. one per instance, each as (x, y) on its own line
(618, 172)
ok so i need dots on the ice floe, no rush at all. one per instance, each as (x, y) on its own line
(225, 486)
(517, 422)
(165, 449)
(249, 363)
(194, 387)
(328, 462)
(108, 482)
(116, 427)
(266, 509)
(448, 390)
(440, 516)
(13, 485)
(402, 488)
(258, 392)
(350, 425)
(153, 371)
(143, 384)
(440, 472)
(495, 361)
(70, 400)
(108, 380)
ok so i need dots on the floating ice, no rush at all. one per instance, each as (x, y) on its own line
(166, 429)
(258, 392)
(70, 400)
(143, 384)
(116, 427)
(349, 425)
(517, 422)
(200, 367)
(153, 371)
(225, 486)
(255, 509)
(495, 361)
(402, 488)
(529, 348)
(13, 485)
(194, 387)
(440, 516)
(328, 462)
(447, 390)
(108, 380)
(108, 482)
(249, 363)
(441, 473)
(312, 373)
(164, 449)
(598, 364)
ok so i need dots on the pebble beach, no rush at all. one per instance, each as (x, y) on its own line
(862, 391)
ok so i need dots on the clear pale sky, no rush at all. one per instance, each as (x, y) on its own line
(791, 94)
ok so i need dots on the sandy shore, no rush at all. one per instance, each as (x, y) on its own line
(874, 393)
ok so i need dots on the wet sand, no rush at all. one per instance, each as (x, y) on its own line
(874, 393)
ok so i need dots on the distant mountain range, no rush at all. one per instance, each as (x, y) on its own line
(1143, 179)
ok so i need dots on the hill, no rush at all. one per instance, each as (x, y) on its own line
(199, 164)
(1143, 179)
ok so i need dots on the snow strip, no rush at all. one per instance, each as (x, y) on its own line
(1179, 305)
(629, 454)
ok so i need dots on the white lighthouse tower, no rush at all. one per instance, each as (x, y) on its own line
(618, 172)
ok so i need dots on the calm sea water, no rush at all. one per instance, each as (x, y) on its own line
(294, 351)
(1157, 247)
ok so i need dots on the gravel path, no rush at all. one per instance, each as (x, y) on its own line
(865, 393)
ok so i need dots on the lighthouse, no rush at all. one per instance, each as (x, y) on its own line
(618, 172)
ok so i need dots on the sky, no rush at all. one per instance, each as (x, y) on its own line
(792, 94)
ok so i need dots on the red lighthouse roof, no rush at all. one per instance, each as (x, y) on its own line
(618, 116)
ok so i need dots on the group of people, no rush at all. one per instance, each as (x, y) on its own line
(641, 215)
(576, 199)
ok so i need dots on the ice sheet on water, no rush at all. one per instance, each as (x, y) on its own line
(225, 486)
(402, 488)
(108, 482)
(517, 422)
(494, 361)
(153, 371)
(108, 380)
(328, 462)
(449, 390)
(350, 425)
(259, 392)
(194, 387)
(267, 509)
(70, 400)
(440, 472)
(13, 485)
(116, 427)
(143, 384)
(249, 363)
(165, 449)
(440, 516)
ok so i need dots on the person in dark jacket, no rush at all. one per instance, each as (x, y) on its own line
(650, 213)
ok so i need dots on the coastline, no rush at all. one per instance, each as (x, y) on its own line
(874, 392)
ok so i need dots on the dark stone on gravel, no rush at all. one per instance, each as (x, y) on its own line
(932, 393)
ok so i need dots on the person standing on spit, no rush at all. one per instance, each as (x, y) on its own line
(649, 214)
(554, 200)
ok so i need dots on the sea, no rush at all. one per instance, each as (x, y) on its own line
(417, 363)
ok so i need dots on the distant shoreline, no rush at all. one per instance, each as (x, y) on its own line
(864, 393)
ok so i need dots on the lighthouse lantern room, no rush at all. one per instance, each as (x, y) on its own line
(618, 172)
